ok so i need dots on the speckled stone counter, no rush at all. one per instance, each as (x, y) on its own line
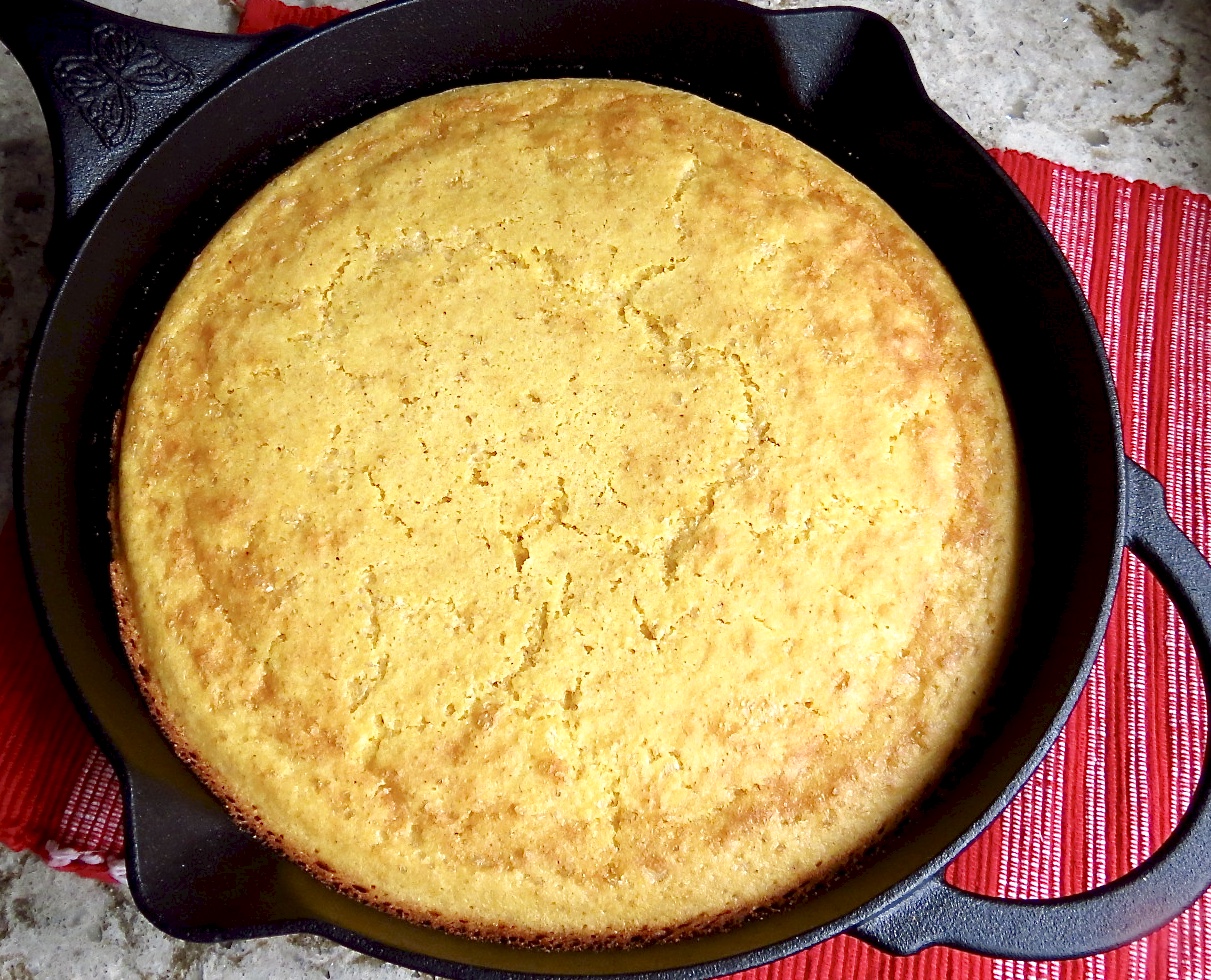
(1122, 88)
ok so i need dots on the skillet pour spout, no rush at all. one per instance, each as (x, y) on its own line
(161, 134)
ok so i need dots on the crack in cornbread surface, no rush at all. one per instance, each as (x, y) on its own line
(567, 511)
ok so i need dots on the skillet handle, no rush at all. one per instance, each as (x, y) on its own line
(1140, 902)
(108, 84)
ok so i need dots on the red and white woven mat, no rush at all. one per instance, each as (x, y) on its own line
(1111, 789)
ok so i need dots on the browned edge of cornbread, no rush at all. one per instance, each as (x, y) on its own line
(247, 817)
(248, 820)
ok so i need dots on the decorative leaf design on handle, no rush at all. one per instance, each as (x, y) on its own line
(101, 83)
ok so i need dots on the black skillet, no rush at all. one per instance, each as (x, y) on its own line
(159, 134)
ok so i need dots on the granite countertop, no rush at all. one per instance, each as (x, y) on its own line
(1120, 87)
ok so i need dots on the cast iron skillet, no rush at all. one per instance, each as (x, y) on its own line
(159, 134)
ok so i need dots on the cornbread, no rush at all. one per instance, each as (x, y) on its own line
(567, 512)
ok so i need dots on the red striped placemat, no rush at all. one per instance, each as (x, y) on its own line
(1119, 777)
(265, 15)
(59, 796)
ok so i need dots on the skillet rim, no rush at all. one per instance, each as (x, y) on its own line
(759, 954)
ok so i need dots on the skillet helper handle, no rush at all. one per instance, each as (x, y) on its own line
(1140, 902)
(108, 84)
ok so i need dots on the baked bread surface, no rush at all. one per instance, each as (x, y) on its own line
(567, 512)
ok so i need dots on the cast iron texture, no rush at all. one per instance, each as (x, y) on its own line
(108, 84)
(841, 80)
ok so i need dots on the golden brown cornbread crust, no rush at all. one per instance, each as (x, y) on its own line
(566, 512)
